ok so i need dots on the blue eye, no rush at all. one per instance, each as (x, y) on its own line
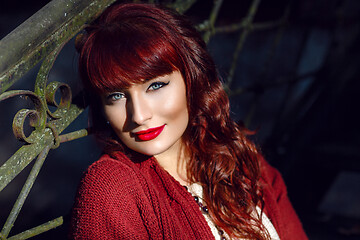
(115, 96)
(157, 85)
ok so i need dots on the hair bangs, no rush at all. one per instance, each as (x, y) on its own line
(123, 57)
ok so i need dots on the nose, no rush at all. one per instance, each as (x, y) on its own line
(139, 109)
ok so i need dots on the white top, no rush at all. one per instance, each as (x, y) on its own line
(196, 190)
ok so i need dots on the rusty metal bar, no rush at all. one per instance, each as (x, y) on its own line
(212, 18)
(37, 230)
(55, 23)
(17, 162)
(248, 24)
(73, 135)
(25, 191)
(242, 24)
(182, 5)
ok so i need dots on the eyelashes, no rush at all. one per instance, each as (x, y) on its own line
(113, 97)
(157, 85)
(116, 96)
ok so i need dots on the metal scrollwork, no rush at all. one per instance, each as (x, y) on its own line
(37, 116)
(65, 99)
(44, 95)
(46, 128)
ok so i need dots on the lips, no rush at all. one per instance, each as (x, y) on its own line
(150, 133)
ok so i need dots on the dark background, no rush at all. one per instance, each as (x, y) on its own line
(302, 98)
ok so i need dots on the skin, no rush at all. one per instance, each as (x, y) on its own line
(154, 103)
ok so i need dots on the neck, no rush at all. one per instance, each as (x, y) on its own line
(174, 162)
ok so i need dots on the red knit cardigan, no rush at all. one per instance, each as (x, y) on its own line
(121, 199)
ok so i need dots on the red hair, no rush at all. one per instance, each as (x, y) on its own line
(130, 43)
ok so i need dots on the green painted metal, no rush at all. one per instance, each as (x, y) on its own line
(242, 37)
(38, 230)
(74, 135)
(213, 15)
(182, 5)
(34, 39)
(25, 191)
(16, 163)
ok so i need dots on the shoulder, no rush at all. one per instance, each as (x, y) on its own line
(108, 200)
(114, 173)
(110, 165)
(272, 182)
(112, 181)
(271, 177)
(107, 170)
(277, 204)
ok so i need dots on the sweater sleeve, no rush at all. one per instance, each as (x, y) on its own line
(278, 206)
(107, 205)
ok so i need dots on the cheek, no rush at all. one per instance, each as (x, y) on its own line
(116, 116)
(175, 107)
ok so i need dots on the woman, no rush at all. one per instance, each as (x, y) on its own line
(176, 166)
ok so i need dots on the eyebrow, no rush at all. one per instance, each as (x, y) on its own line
(157, 78)
(106, 94)
(122, 90)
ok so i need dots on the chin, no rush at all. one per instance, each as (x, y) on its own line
(150, 150)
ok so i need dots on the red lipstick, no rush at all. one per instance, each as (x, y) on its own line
(150, 133)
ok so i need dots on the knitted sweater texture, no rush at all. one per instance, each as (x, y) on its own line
(122, 199)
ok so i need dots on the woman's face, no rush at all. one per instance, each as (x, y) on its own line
(151, 117)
